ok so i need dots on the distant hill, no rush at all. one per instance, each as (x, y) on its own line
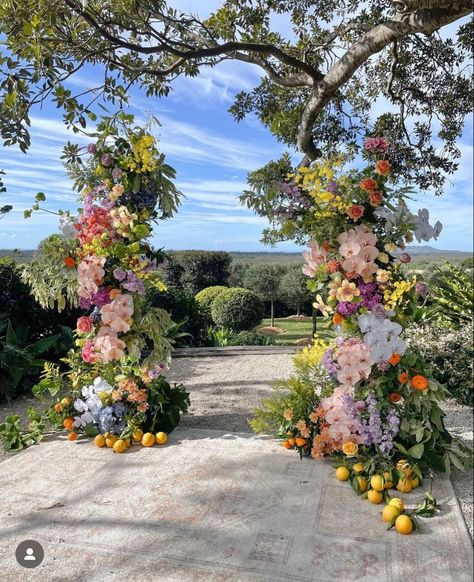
(419, 254)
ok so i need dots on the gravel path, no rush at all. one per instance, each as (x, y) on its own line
(225, 389)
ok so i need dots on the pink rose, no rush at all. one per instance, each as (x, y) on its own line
(356, 211)
(88, 352)
(84, 324)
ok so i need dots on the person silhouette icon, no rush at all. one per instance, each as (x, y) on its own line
(30, 554)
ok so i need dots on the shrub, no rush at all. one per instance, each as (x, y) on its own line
(251, 338)
(452, 293)
(237, 309)
(200, 269)
(450, 354)
(184, 309)
(266, 281)
(205, 299)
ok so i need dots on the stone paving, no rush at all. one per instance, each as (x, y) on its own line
(210, 506)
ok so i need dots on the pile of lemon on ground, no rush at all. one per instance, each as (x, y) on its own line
(119, 445)
(375, 488)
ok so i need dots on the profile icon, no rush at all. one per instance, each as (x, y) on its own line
(29, 554)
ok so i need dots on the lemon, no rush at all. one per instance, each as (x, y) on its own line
(388, 480)
(148, 439)
(404, 485)
(404, 524)
(110, 440)
(362, 483)
(119, 446)
(342, 473)
(389, 512)
(415, 483)
(375, 496)
(396, 502)
(377, 482)
(99, 440)
(358, 468)
(161, 438)
(137, 435)
(127, 442)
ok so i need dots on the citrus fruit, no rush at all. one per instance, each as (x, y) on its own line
(128, 442)
(404, 485)
(300, 442)
(72, 436)
(148, 439)
(389, 512)
(99, 440)
(137, 435)
(58, 407)
(404, 524)
(119, 446)
(110, 440)
(388, 480)
(68, 422)
(342, 473)
(362, 484)
(415, 482)
(161, 438)
(396, 502)
(292, 441)
(287, 445)
(66, 401)
(377, 482)
(358, 468)
(404, 466)
(375, 496)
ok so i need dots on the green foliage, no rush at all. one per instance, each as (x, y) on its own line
(167, 403)
(197, 270)
(19, 358)
(294, 290)
(53, 283)
(266, 281)
(450, 354)
(205, 299)
(216, 336)
(14, 438)
(238, 309)
(452, 292)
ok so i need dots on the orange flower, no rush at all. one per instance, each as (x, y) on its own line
(395, 397)
(350, 449)
(356, 211)
(288, 414)
(70, 262)
(403, 378)
(332, 266)
(368, 184)
(382, 167)
(326, 245)
(113, 293)
(419, 383)
(375, 198)
(337, 319)
(394, 359)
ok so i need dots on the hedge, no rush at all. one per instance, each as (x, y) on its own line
(237, 309)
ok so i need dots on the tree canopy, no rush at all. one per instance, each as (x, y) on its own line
(320, 82)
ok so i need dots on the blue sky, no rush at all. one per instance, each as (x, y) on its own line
(212, 155)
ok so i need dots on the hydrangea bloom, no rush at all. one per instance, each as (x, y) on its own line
(381, 335)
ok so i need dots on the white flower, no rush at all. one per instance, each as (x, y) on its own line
(83, 420)
(423, 230)
(80, 405)
(67, 225)
(101, 385)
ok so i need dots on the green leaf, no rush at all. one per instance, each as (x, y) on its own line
(416, 451)
(43, 345)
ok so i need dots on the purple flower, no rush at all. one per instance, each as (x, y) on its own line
(116, 173)
(133, 283)
(84, 303)
(332, 187)
(120, 274)
(107, 160)
(92, 148)
(360, 405)
(101, 297)
(330, 365)
(378, 309)
(157, 370)
(421, 288)
(404, 258)
(383, 366)
(347, 309)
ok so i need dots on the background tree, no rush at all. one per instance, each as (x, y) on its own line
(320, 82)
(266, 281)
(196, 270)
(294, 290)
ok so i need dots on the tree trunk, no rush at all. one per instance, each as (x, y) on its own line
(272, 315)
(314, 321)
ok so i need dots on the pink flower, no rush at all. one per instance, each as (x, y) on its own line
(118, 313)
(315, 257)
(376, 144)
(356, 212)
(88, 352)
(109, 345)
(90, 274)
(84, 324)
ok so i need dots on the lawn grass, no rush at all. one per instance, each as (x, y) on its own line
(293, 329)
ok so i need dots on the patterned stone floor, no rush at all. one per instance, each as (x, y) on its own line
(210, 507)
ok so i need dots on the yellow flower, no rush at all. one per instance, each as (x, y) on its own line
(382, 276)
(390, 248)
(312, 355)
(323, 308)
(350, 449)
(383, 258)
(347, 291)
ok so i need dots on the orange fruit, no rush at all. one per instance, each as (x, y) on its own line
(72, 436)
(68, 422)
(404, 485)
(119, 446)
(415, 482)
(404, 525)
(148, 439)
(377, 482)
(161, 438)
(99, 440)
(374, 496)
(110, 440)
(387, 477)
(342, 473)
(137, 435)
(362, 483)
(66, 401)
(292, 441)
(398, 503)
(404, 466)
(358, 467)
(300, 442)
(389, 512)
(58, 407)
(287, 445)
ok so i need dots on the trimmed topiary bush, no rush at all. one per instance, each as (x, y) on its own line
(206, 297)
(238, 309)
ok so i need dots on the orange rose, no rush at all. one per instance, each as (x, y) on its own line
(70, 262)
(368, 184)
(375, 198)
(403, 378)
(350, 449)
(337, 319)
(419, 383)
(394, 359)
(395, 397)
(332, 266)
(382, 167)
(356, 211)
